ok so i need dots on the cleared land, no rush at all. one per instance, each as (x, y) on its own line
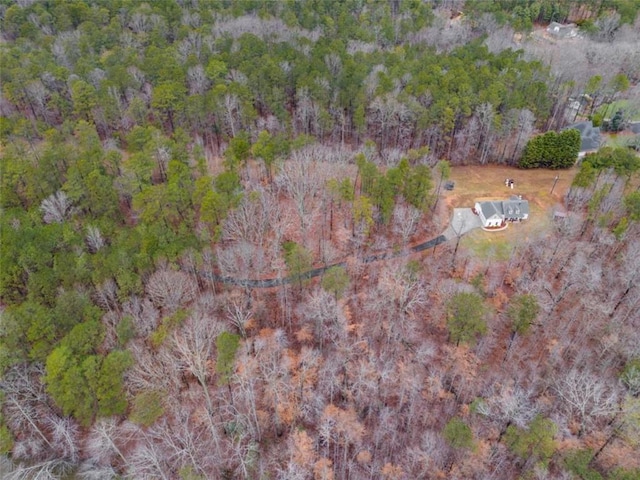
(487, 183)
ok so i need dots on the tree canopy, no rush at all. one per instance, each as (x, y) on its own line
(466, 317)
(552, 150)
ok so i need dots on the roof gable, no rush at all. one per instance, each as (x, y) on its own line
(515, 208)
(489, 209)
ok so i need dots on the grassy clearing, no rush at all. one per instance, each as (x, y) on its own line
(487, 183)
(618, 140)
(632, 111)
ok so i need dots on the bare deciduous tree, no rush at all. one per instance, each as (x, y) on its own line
(405, 220)
(153, 370)
(194, 344)
(587, 396)
(90, 471)
(340, 430)
(509, 406)
(466, 139)
(149, 460)
(405, 288)
(242, 260)
(94, 239)
(106, 441)
(145, 315)
(232, 113)
(607, 25)
(25, 406)
(170, 289)
(248, 222)
(239, 314)
(106, 295)
(275, 368)
(321, 309)
(307, 112)
(56, 207)
(246, 396)
(302, 178)
(48, 470)
(65, 435)
(485, 114)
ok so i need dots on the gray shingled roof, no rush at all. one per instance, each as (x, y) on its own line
(515, 208)
(589, 135)
(512, 208)
(489, 209)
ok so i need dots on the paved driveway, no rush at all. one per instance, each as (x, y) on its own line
(463, 220)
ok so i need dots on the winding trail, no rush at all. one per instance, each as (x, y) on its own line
(462, 222)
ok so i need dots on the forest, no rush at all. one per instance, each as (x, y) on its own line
(221, 249)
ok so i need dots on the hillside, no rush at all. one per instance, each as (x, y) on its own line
(226, 246)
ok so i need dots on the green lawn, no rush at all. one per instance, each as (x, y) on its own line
(618, 140)
(632, 111)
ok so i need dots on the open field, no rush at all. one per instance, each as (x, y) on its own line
(487, 183)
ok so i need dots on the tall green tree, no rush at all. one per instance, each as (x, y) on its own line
(458, 434)
(336, 281)
(298, 260)
(237, 152)
(84, 99)
(535, 443)
(166, 99)
(466, 317)
(87, 386)
(632, 204)
(522, 311)
(269, 148)
(226, 345)
(552, 150)
(417, 188)
(109, 389)
(67, 380)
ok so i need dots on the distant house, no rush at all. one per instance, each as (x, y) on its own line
(496, 213)
(577, 105)
(590, 138)
(559, 30)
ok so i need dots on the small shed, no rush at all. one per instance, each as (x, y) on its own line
(559, 212)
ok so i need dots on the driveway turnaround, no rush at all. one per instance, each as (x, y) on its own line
(463, 221)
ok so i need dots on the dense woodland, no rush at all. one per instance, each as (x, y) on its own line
(172, 170)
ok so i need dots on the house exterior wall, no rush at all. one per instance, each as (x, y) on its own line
(493, 222)
(480, 214)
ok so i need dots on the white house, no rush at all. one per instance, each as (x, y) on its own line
(496, 213)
